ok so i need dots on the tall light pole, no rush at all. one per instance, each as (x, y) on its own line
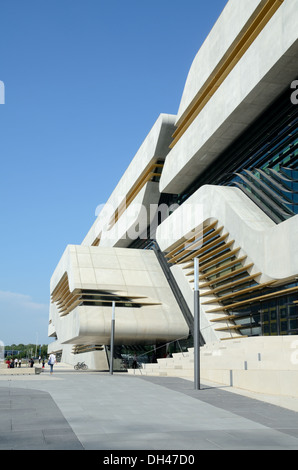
(112, 338)
(196, 325)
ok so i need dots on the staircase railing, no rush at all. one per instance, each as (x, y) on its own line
(186, 312)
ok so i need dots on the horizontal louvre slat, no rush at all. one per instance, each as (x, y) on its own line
(230, 285)
(253, 299)
(227, 276)
(239, 293)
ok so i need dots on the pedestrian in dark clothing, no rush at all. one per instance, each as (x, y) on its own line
(134, 362)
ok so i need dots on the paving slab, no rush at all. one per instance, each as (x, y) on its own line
(97, 411)
(30, 420)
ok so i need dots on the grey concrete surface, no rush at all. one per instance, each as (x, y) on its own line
(97, 411)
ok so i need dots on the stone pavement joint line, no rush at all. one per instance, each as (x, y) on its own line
(97, 411)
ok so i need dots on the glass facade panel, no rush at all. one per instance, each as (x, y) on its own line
(275, 317)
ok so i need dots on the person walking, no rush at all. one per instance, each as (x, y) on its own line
(135, 362)
(52, 361)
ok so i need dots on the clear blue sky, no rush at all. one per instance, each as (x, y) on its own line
(85, 80)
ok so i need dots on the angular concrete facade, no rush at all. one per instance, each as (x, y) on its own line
(88, 279)
(219, 181)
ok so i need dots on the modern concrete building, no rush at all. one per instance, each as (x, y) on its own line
(218, 181)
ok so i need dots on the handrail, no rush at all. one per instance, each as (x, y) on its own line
(174, 286)
(165, 344)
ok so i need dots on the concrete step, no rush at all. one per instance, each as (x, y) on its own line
(261, 364)
(162, 372)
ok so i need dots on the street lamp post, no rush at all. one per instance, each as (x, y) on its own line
(112, 338)
(196, 326)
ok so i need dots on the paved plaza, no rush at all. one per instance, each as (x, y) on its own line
(96, 411)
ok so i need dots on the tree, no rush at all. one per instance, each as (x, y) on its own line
(27, 350)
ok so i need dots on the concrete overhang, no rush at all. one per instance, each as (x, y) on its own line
(267, 68)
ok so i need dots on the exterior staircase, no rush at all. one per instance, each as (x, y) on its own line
(258, 364)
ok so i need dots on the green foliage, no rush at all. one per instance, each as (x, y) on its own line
(28, 350)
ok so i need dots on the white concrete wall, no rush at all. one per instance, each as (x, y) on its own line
(134, 221)
(95, 360)
(267, 67)
(271, 248)
(122, 272)
(155, 146)
(226, 29)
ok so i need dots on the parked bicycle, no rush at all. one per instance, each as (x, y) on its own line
(81, 366)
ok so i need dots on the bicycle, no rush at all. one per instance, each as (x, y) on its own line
(81, 366)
